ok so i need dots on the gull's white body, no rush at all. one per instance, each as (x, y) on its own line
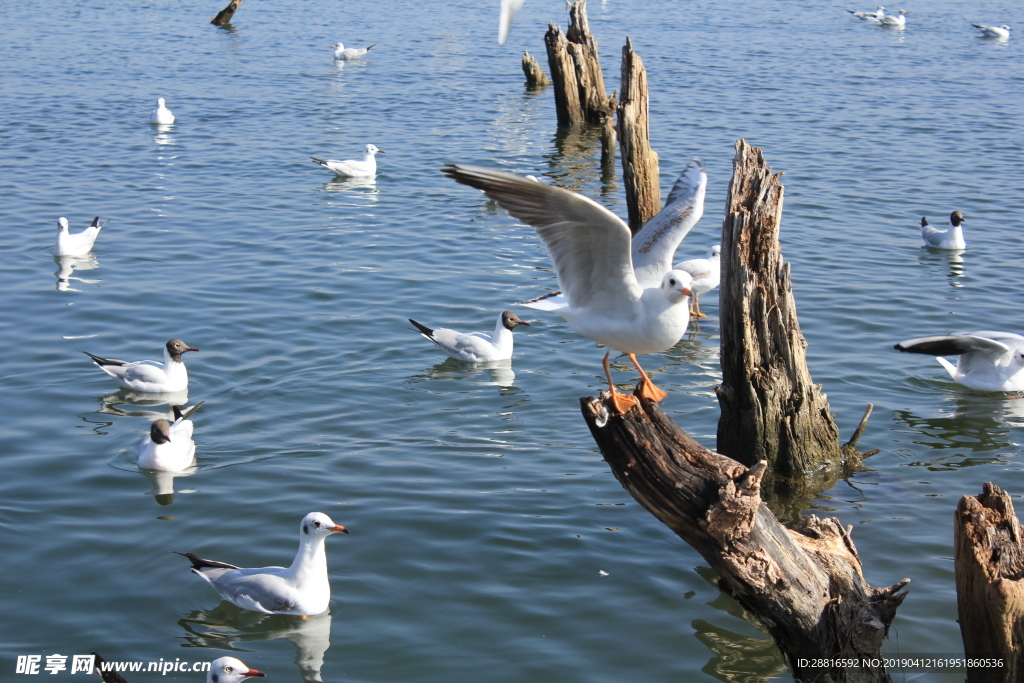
(591, 251)
(174, 455)
(654, 246)
(988, 360)
(347, 53)
(993, 31)
(147, 375)
(706, 272)
(875, 16)
(894, 20)
(78, 244)
(950, 238)
(353, 168)
(161, 114)
(474, 347)
(300, 589)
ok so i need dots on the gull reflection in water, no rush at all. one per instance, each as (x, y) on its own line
(365, 186)
(113, 404)
(981, 423)
(498, 373)
(163, 483)
(225, 626)
(950, 259)
(162, 133)
(66, 265)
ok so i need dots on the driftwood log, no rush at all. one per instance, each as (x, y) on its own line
(805, 584)
(535, 76)
(771, 410)
(576, 70)
(639, 161)
(989, 562)
(224, 16)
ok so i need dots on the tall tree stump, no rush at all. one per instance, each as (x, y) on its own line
(576, 70)
(771, 410)
(224, 16)
(535, 76)
(805, 585)
(989, 562)
(639, 161)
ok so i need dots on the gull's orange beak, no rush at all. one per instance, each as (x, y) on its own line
(338, 529)
(685, 291)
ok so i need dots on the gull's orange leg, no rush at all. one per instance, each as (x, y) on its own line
(695, 309)
(623, 402)
(647, 388)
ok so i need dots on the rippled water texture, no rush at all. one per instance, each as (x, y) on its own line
(489, 540)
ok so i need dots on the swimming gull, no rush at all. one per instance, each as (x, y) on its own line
(169, 446)
(894, 21)
(993, 31)
(706, 272)
(989, 361)
(352, 168)
(347, 53)
(161, 114)
(950, 238)
(476, 347)
(150, 375)
(303, 589)
(869, 16)
(590, 248)
(78, 244)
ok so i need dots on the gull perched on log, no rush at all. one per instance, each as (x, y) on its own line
(988, 361)
(353, 168)
(590, 247)
(476, 347)
(950, 238)
(707, 274)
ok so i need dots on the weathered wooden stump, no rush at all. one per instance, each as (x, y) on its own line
(576, 70)
(805, 585)
(639, 161)
(989, 563)
(771, 410)
(224, 16)
(609, 140)
(535, 76)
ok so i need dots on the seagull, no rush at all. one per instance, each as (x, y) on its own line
(342, 52)
(654, 246)
(950, 238)
(508, 11)
(79, 244)
(993, 31)
(706, 272)
(476, 347)
(989, 361)
(161, 114)
(351, 168)
(302, 589)
(897, 21)
(150, 375)
(169, 446)
(590, 248)
(869, 16)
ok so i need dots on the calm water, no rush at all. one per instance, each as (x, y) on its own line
(489, 540)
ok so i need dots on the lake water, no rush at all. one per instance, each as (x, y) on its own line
(489, 540)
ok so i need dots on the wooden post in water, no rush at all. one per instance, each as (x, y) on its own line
(535, 76)
(576, 70)
(609, 140)
(771, 410)
(224, 16)
(805, 584)
(988, 559)
(639, 161)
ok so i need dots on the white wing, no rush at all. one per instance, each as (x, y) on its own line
(655, 245)
(589, 245)
(956, 344)
(508, 11)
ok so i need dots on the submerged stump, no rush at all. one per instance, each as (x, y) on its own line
(576, 70)
(805, 584)
(771, 409)
(224, 16)
(639, 161)
(535, 76)
(989, 562)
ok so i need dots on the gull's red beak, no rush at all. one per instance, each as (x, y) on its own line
(338, 529)
(253, 673)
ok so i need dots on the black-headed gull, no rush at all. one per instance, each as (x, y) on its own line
(161, 114)
(950, 238)
(150, 375)
(894, 21)
(590, 247)
(303, 589)
(707, 274)
(869, 16)
(78, 244)
(993, 31)
(347, 53)
(654, 246)
(989, 361)
(169, 446)
(352, 168)
(476, 347)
